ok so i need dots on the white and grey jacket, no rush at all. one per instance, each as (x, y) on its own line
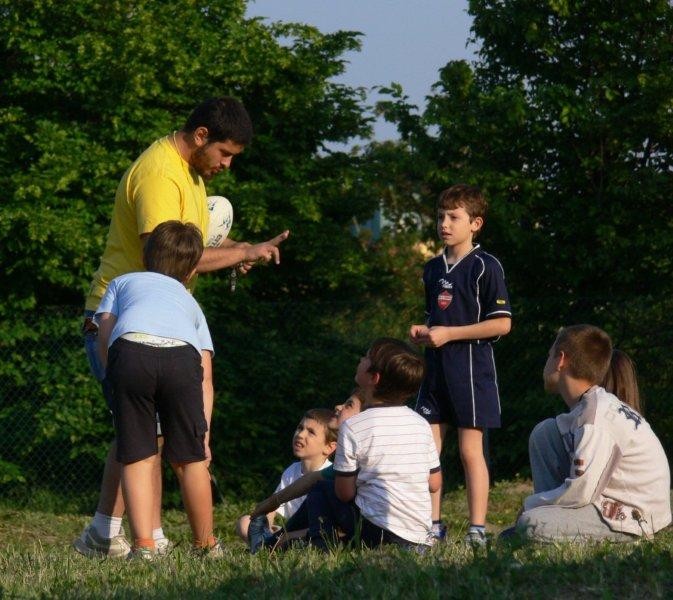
(617, 464)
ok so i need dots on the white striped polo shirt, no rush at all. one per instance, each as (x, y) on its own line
(392, 452)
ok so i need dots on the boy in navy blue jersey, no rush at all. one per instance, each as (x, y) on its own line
(467, 308)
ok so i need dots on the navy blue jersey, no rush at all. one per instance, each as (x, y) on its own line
(461, 384)
(468, 292)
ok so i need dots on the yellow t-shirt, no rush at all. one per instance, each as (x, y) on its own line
(159, 186)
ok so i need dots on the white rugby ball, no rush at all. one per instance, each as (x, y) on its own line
(221, 214)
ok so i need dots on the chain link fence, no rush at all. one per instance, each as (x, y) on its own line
(55, 428)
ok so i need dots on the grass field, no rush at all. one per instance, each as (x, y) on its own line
(36, 562)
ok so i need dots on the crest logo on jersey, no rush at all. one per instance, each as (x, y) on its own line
(444, 299)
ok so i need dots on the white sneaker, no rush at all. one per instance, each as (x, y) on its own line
(142, 554)
(164, 546)
(91, 544)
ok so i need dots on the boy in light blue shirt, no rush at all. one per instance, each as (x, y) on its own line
(155, 341)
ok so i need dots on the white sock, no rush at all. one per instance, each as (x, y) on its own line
(106, 526)
(158, 534)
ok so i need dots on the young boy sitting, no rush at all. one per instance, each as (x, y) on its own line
(467, 308)
(157, 346)
(259, 534)
(313, 442)
(599, 471)
(386, 462)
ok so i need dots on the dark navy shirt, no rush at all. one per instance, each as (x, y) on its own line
(468, 292)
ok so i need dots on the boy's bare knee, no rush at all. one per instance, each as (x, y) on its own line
(472, 453)
(472, 458)
(242, 527)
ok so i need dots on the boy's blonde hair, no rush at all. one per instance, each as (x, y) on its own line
(470, 197)
(324, 416)
(588, 350)
(400, 370)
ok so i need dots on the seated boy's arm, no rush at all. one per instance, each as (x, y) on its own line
(106, 322)
(345, 486)
(439, 335)
(297, 488)
(435, 481)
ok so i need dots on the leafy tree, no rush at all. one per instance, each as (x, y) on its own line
(565, 120)
(86, 86)
(89, 84)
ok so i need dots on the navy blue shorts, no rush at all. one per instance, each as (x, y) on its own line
(145, 381)
(460, 386)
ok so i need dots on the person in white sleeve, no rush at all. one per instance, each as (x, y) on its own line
(599, 471)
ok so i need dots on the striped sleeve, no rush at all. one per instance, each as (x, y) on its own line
(345, 460)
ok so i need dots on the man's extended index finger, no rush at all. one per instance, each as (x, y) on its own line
(280, 238)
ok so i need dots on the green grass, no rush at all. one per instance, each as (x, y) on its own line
(36, 562)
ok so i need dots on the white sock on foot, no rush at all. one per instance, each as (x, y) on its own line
(106, 526)
(158, 534)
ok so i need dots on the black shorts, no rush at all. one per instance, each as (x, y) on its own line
(460, 387)
(145, 381)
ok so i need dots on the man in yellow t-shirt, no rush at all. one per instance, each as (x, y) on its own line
(166, 182)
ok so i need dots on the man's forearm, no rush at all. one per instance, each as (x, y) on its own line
(222, 257)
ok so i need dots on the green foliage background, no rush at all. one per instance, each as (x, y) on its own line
(564, 120)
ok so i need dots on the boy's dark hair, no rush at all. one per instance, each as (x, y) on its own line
(470, 197)
(324, 416)
(173, 249)
(588, 350)
(225, 118)
(400, 370)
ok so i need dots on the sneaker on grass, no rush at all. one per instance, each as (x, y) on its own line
(93, 545)
(475, 537)
(438, 532)
(142, 553)
(215, 551)
(164, 546)
(258, 533)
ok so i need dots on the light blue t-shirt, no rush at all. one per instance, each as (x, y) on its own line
(155, 304)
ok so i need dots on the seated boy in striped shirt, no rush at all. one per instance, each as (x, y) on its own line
(386, 461)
